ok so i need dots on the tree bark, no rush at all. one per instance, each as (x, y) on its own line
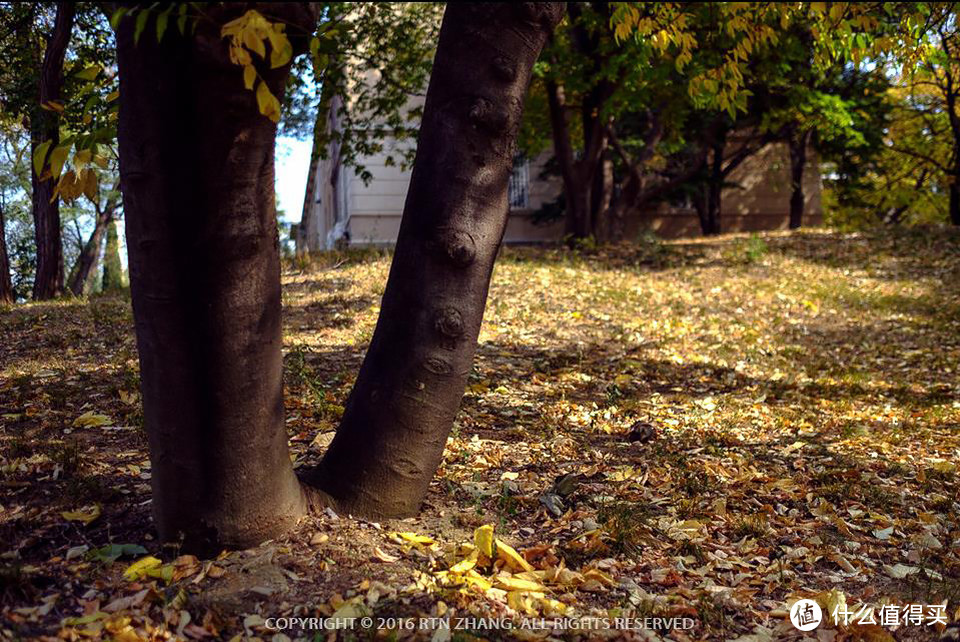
(45, 126)
(798, 161)
(197, 172)
(90, 253)
(401, 409)
(6, 285)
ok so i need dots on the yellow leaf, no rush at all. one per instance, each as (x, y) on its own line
(82, 157)
(518, 584)
(249, 76)
(464, 565)
(90, 185)
(90, 419)
(267, 102)
(511, 558)
(475, 579)
(483, 540)
(600, 576)
(384, 556)
(413, 538)
(86, 514)
(280, 48)
(253, 42)
(141, 568)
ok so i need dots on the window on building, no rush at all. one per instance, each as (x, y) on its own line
(518, 190)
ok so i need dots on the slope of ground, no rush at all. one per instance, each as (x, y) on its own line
(702, 430)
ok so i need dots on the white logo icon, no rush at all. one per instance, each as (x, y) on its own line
(806, 615)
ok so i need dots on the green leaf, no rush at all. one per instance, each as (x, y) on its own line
(117, 16)
(40, 156)
(57, 158)
(140, 25)
(88, 73)
(112, 552)
(162, 23)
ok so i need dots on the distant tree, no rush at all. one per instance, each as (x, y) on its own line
(112, 267)
(104, 218)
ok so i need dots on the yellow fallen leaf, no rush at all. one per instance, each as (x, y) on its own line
(475, 579)
(518, 584)
(90, 419)
(511, 558)
(413, 538)
(383, 556)
(483, 540)
(141, 568)
(600, 576)
(522, 602)
(464, 565)
(86, 514)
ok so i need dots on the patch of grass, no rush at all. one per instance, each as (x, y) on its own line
(624, 523)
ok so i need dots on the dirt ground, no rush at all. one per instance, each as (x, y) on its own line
(679, 440)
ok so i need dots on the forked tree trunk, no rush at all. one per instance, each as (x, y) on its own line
(45, 126)
(197, 171)
(402, 407)
(798, 161)
(90, 254)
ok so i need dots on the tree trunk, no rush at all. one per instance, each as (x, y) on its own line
(112, 266)
(197, 172)
(6, 285)
(90, 254)
(401, 409)
(955, 199)
(710, 219)
(308, 231)
(798, 161)
(575, 190)
(45, 126)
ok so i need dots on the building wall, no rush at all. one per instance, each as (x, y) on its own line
(761, 201)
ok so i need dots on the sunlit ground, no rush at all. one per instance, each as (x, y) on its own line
(798, 404)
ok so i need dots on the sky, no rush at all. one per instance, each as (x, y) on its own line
(293, 162)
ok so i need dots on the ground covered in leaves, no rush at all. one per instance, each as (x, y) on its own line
(702, 430)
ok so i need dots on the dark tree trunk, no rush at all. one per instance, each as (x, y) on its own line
(197, 172)
(575, 189)
(6, 285)
(90, 254)
(402, 407)
(798, 161)
(45, 126)
(709, 208)
(955, 199)
(112, 266)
